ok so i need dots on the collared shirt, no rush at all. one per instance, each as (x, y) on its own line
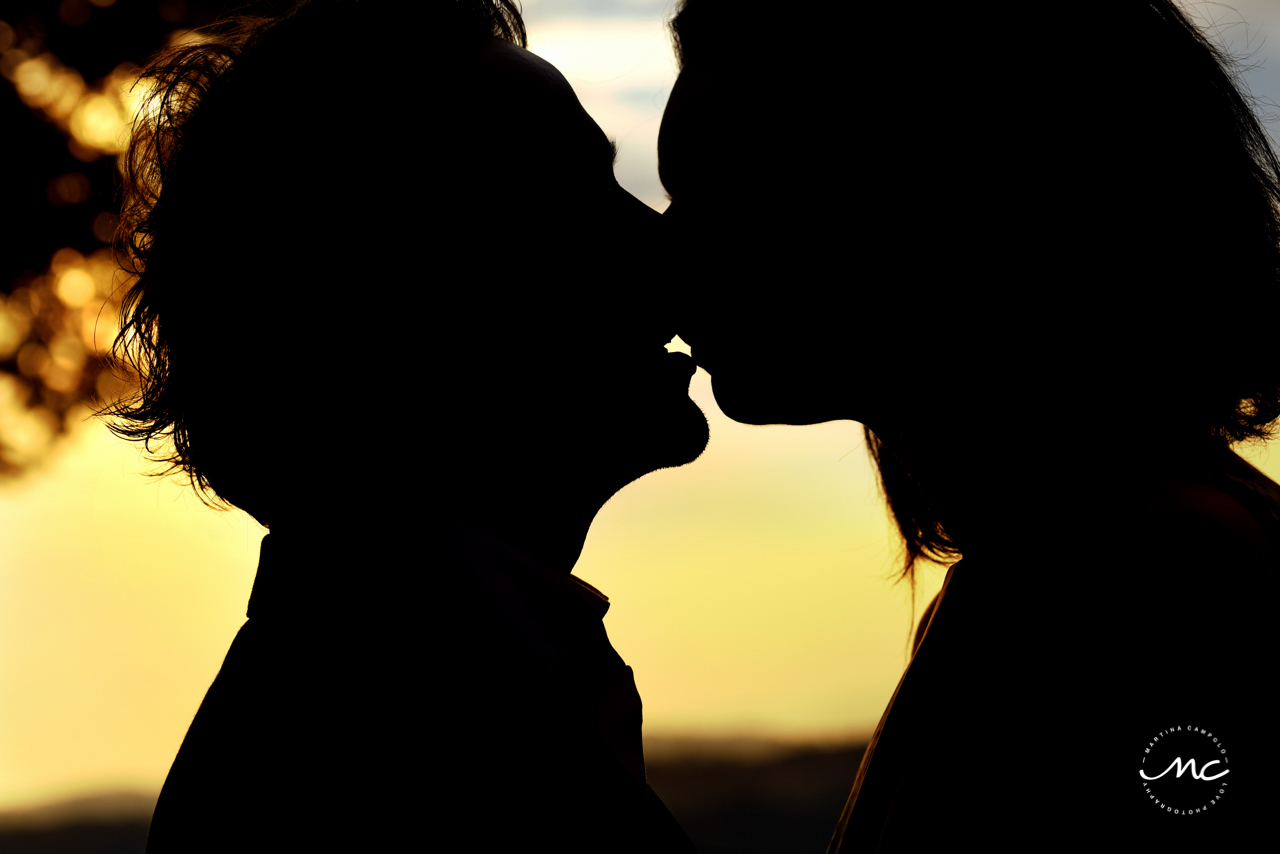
(445, 689)
(548, 691)
(554, 622)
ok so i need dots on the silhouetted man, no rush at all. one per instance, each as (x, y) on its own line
(395, 305)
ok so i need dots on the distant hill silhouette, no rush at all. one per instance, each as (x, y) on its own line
(745, 796)
(733, 796)
(112, 823)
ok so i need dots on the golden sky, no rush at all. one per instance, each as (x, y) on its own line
(749, 592)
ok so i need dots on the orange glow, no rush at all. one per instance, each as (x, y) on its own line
(78, 295)
(32, 357)
(75, 287)
(185, 37)
(26, 431)
(31, 78)
(98, 329)
(95, 118)
(15, 322)
(67, 357)
(98, 122)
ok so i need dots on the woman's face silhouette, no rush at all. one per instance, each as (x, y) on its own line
(775, 304)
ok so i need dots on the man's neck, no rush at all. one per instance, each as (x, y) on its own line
(550, 528)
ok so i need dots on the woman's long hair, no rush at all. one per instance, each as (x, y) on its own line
(1076, 208)
(1166, 241)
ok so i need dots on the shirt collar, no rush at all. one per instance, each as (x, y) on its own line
(504, 566)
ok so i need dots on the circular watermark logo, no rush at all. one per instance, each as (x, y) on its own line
(1185, 770)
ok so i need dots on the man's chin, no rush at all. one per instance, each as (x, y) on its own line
(689, 444)
(680, 440)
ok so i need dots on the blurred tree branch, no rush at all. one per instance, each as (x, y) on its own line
(65, 106)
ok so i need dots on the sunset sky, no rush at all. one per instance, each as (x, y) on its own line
(750, 590)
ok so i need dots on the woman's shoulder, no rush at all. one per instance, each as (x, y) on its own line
(1218, 507)
(1222, 483)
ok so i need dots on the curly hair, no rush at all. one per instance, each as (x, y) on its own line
(1221, 383)
(221, 113)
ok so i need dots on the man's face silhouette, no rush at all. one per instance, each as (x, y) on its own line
(776, 312)
(510, 324)
(560, 325)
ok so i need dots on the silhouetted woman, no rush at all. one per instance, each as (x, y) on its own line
(1033, 248)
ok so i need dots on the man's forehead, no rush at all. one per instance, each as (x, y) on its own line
(518, 66)
(525, 101)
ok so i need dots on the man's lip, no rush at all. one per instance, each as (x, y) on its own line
(681, 362)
